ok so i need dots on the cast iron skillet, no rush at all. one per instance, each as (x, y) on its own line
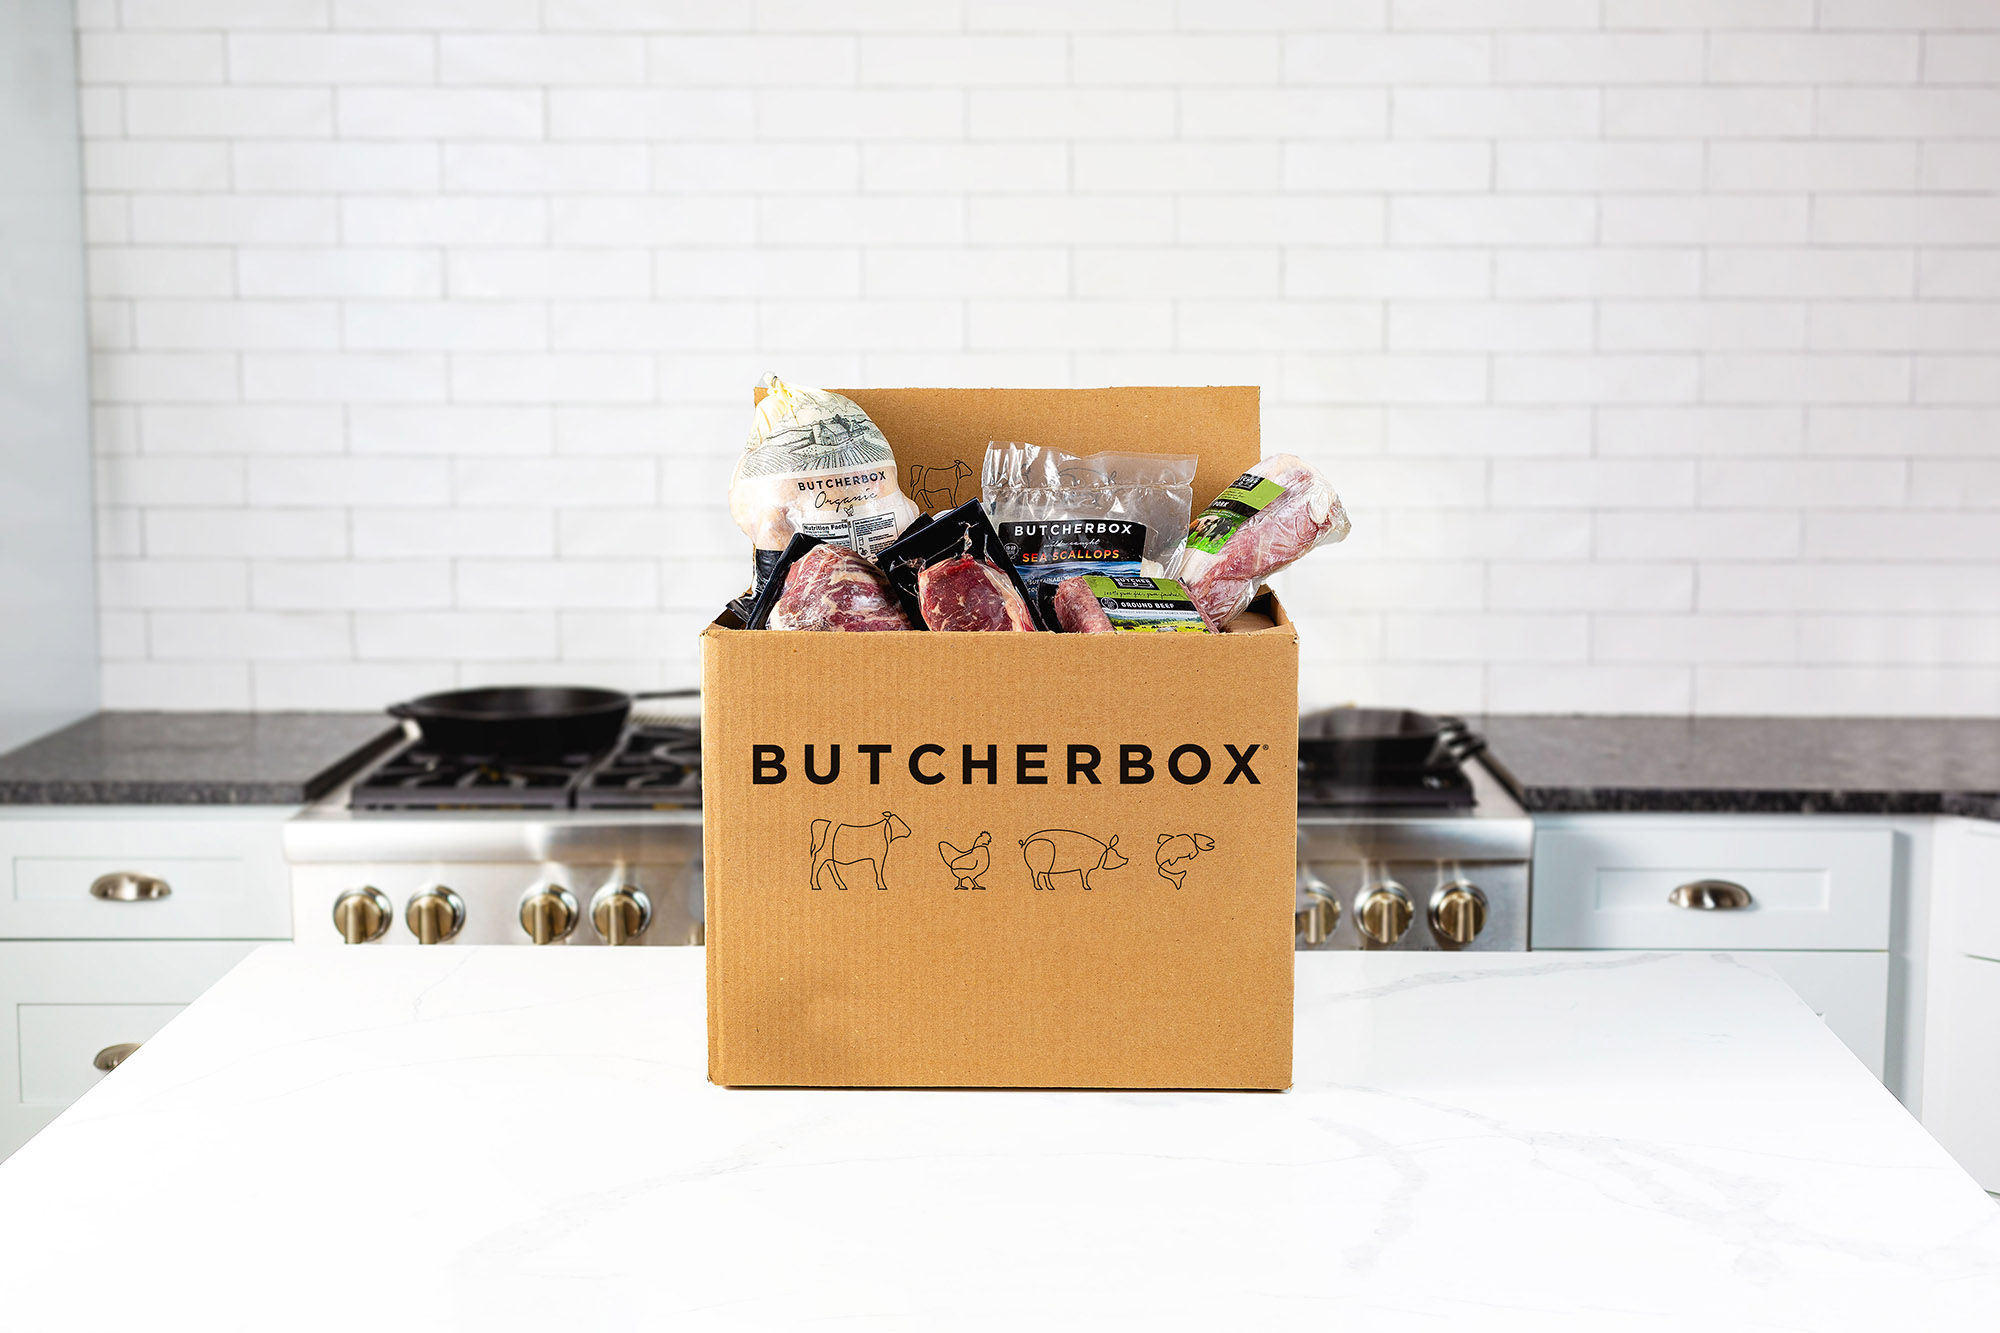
(1382, 739)
(519, 721)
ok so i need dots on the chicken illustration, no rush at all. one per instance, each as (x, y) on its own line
(1174, 852)
(970, 864)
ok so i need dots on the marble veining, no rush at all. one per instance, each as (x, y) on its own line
(494, 1138)
(192, 758)
(1751, 765)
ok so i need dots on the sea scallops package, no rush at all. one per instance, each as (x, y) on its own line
(1061, 515)
(1005, 859)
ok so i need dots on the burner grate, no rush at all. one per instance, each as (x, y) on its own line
(1375, 758)
(415, 778)
(653, 768)
(1443, 788)
(656, 766)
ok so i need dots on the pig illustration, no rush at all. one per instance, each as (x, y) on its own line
(1174, 852)
(1059, 851)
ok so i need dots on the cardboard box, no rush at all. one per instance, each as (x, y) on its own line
(1127, 921)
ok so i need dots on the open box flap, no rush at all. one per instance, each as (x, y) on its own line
(940, 435)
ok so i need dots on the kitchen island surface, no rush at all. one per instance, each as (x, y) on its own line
(494, 1138)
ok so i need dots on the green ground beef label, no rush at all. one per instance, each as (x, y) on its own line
(1135, 603)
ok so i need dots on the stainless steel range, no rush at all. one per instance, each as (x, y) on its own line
(428, 848)
(1407, 840)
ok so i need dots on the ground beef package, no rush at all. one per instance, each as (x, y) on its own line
(1124, 604)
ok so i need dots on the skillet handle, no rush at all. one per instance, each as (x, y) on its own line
(403, 711)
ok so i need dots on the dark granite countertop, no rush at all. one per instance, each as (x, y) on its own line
(192, 758)
(1750, 765)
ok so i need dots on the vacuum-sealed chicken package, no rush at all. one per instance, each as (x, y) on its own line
(1260, 523)
(815, 463)
(1061, 514)
(1124, 604)
(953, 574)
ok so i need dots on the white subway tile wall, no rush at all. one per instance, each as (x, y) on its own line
(1655, 344)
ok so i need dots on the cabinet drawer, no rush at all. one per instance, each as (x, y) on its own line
(1849, 991)
(1612, 887)
(62, 1003)
(225, 877)
(1974, 885)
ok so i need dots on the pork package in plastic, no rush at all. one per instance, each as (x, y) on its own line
(953, 573)
(1125, 604)
(833, 588)
(815, 463)
(1263, 521)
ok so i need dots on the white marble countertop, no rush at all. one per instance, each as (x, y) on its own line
(504, 1138)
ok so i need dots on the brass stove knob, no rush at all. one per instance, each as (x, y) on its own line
(1384, 912)
(621, 913)
(548, 914)
(363, 914)
(434, 914)
(1458, 912)
(1316, 917)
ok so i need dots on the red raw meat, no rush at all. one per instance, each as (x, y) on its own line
(1077, 609)
(1222, 583)
(967, 593)
(832, 588)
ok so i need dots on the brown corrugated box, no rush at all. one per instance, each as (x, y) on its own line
(844, 947)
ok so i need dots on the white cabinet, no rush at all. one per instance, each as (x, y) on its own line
(1816, 901)
(111, 919)
(62, 1003)
(1961, 1075)
(222, 871)
(1612, 886)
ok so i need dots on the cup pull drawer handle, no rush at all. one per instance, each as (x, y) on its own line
(111, 1057)
(129, 886)
(1710, 895)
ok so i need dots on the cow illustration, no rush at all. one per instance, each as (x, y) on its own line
(969, 863)
(935, 488)
(1175, 850)
(1060, 851)
(837, 846)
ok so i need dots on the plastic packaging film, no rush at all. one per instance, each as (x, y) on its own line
(1261, 522)
(1061, 514)
(815, 463)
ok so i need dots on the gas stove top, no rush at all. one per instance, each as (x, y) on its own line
(1408, 837)
(656, 766)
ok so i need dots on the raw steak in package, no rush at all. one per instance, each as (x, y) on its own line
(1263, 521)
(952, 573)
(832, 588)
(964, 592)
